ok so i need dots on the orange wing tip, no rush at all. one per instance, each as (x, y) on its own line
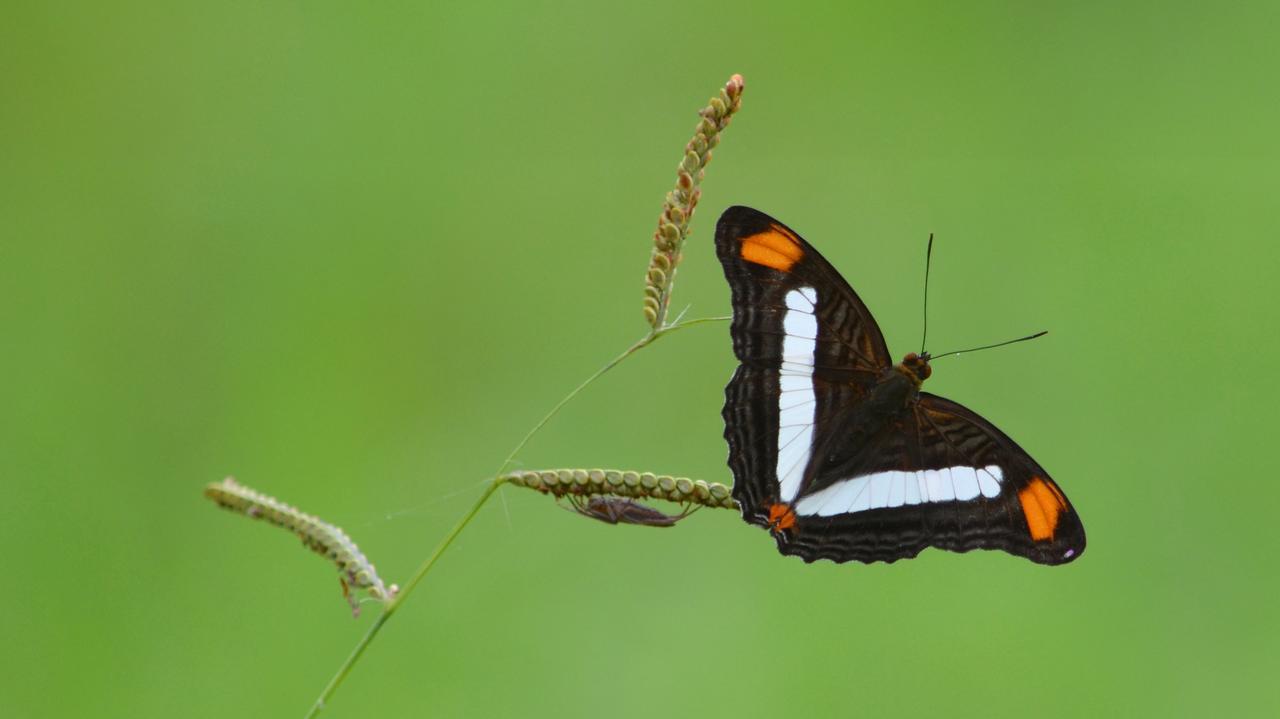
(1041, 504)
(781, 517)
(776, 248)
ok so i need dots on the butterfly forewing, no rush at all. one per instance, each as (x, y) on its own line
(807, 347)
(835, 451)
(773, 273)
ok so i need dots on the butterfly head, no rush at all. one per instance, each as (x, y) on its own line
(916, 366)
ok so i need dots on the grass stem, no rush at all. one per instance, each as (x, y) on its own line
(391, 606)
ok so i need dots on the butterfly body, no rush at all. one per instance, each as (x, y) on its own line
(888, 403)
(836, 450)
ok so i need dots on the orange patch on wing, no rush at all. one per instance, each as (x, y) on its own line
(776, 248)
(1041, 504)
(781, 517)
(1057, 493)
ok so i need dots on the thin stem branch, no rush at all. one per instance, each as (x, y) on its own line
(648, 339)
(690, 323)
(403, 594)
(350, 661)
(394, 604)
(560, 405)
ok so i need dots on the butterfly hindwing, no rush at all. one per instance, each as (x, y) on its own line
(941, 477)
(1037, 520)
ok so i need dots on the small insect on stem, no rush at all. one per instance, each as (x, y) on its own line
(617, 510)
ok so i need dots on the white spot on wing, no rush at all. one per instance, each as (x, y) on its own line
(933, 481)
(898, 488)
(793, 414)
(836, 499)
(863, 500)
(879, 490)
(798, 382)
(965, 480)
(799, 323)
(911, 493)
(793, 457)
(947, 486)
(989, 479)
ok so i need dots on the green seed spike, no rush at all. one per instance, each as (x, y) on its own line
(677, 210)
(617, 483)
(356, 572)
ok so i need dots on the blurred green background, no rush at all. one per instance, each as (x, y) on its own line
(350, 254)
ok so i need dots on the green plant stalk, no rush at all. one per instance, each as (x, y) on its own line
(390, 607)
(673, 229)
(653, 336)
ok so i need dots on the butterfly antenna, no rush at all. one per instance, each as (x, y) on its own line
(928, 256)
(1041, 333)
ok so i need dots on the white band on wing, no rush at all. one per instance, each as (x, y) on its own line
(895, 489)
(796, 401)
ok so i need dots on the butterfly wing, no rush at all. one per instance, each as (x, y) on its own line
(770, 421)
(938, 476)
(1036, 520)
(808, 348)
(765, 262)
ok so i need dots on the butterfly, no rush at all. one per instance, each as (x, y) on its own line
(836, 450)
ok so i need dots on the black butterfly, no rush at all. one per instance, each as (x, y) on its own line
(836, 451)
